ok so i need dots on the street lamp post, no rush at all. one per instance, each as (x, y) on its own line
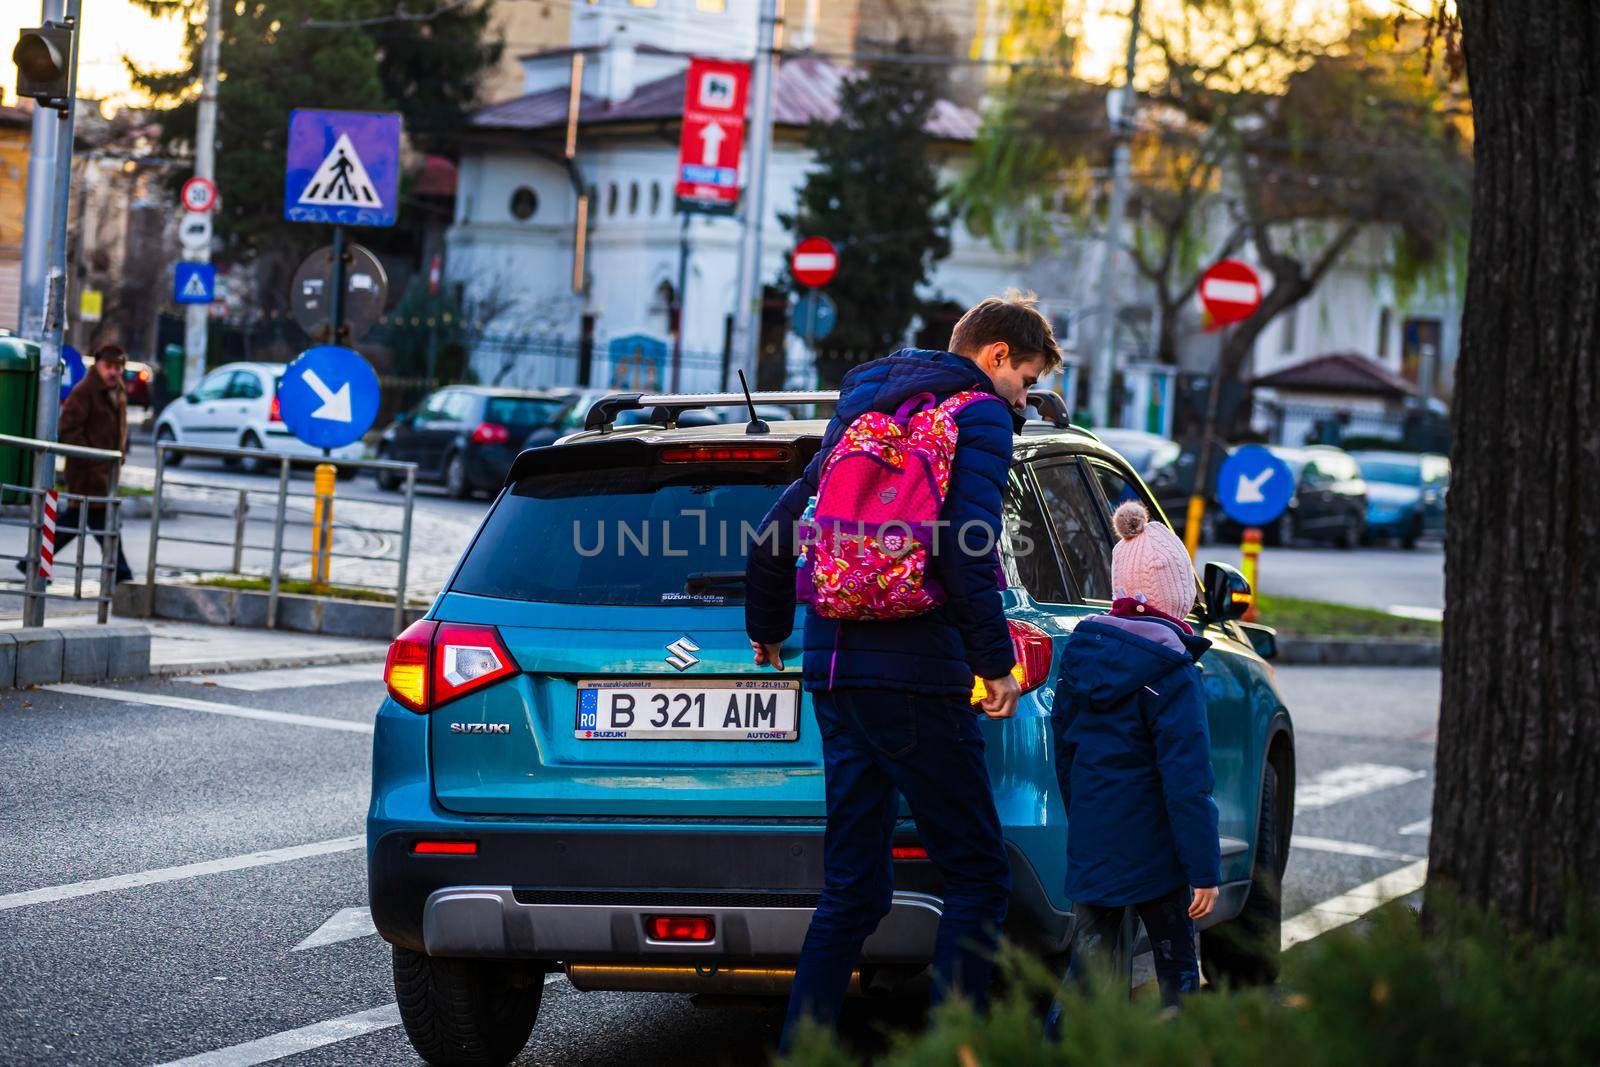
(746, 314)
(196, 316)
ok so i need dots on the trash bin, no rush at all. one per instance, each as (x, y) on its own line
(172, 374)
(19, 397)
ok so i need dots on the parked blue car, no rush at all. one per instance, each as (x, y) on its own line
(578, 768)
(1405, 494)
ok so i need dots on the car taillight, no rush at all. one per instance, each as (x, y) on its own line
(680, 927)
(724, 454)
(908, 852)
(275, 413)
(491, 433)
(1033, 650)
(144, 376)
(433, 663)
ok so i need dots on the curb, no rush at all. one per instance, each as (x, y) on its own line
(1357, 652)
(266, 663)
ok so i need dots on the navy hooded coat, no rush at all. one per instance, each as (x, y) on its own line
(1133, 758)
(937, 653)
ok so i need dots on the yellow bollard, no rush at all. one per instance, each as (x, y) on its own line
(322, 525)
(1191, 529)
(1250, 547)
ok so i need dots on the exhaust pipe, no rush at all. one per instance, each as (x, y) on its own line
(688, 978)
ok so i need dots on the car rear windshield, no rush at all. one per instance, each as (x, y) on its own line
(1391, 472)
(636, 533)
(523, 411)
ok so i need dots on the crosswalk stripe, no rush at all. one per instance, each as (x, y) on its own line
(1346, 908)
(179, 873)
(211, 707)
(1347, 848)
(1348, 782)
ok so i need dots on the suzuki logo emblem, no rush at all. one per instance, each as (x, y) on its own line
(681, 653)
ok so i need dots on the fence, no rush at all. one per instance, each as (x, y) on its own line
(541, 361)
(35, 587)
(231, 517)
(1300, 424)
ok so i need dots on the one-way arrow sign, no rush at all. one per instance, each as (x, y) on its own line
(335, 405)
(328, 397)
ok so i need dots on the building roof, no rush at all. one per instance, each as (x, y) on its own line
(1338, 372)
(807, 91)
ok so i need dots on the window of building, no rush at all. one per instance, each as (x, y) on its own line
(633, 198)
(611, 199)
(642, 3)
(655, 198)
(714, 7)
(524, 202)
(1385, 325)
(1291, 321)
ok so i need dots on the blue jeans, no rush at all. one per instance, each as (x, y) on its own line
(877, 746)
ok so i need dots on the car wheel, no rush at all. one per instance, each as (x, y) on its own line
(455, 477)
(1413, 532)
(252, 464)
(165, 435)
(1350, 536)
(386, 479)
(466, 1013)
(344, 472)
(1245, 950)
(1286, 530)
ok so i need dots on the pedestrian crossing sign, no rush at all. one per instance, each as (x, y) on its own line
(343, 168)
(194, 283)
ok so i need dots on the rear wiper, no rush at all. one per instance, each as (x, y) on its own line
(705, 581)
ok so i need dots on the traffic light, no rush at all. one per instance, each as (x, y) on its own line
(44, 64)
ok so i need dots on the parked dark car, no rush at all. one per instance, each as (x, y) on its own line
(1405, 494)
(1329, 502)
(575, 408)
(466, 436)
(1168, 468)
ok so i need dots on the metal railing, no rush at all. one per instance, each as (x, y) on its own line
(285, 513)
(35, 589)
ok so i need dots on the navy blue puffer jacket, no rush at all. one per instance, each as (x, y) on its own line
(1133, 757)
(937, 653)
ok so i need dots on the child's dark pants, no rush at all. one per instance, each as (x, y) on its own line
(879, 745)
(1100, 938)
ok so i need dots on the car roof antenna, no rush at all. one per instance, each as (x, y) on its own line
(755, 425)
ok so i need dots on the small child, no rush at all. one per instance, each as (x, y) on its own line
(1133, 757)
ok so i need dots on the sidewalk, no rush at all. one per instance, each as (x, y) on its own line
(194, 648)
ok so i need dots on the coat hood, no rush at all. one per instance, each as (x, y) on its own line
(884, 384)
(1108, 658)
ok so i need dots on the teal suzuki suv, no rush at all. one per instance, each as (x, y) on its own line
(578, 768)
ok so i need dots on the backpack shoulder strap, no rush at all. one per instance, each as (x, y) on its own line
(955, 403)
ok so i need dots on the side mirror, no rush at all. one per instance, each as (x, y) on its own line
(191, 398)
(1227, 592)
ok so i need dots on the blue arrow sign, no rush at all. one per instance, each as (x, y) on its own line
(194, 283)
(343, 167)
(73, 369)
(814, 316)
(1254, 486)
(328, 397)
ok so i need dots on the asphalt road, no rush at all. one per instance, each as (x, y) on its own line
(270, 811)
(1374, 576)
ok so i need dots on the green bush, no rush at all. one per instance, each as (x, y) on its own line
(1468, 992)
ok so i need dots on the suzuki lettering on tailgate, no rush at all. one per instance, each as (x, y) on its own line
(702, 710)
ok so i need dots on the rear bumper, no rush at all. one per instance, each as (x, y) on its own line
(583, 892)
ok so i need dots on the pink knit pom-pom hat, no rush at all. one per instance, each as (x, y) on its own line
(1150, 563)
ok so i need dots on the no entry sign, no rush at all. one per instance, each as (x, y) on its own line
(1230, 291)
(815, 261)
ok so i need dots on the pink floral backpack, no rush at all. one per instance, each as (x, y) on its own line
(867, 539)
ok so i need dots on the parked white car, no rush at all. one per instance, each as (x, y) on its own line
(236, 406)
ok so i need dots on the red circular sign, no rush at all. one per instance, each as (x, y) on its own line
(199, 194)
(1231, 291)
(814, 261)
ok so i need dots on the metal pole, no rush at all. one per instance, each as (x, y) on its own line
(195, 316)
(155, 531)
(683, 281)
(1103, 366)
(747, 297)
(336, 301)
(240, 510)
(36, 222)
(405, 552)
(277, 542)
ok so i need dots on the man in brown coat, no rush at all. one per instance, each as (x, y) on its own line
(95, 415)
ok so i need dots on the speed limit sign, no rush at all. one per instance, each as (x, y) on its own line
(199, 194)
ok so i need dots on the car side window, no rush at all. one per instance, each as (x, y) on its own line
(1311, 474)
(458, 408)
(214, 387)
(244, 386)
(1073, 509)
(1029, 550)
(433, 408)
(1117, 490)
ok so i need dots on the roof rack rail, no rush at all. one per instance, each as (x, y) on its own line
(669, 406)
(1052, 408)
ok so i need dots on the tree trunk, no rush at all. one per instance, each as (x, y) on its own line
(1516, 811)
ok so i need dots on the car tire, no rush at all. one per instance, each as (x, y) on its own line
(1412, 535)
(466, 1012)
(389, 480)
(456, 485)
(252, 464)
(1350, 536)
(1245, 950)
(165, 433)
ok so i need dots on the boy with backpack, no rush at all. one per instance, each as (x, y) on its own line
(901, 573)
(1133, 758)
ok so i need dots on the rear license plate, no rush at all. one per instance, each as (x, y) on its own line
(664, 709)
